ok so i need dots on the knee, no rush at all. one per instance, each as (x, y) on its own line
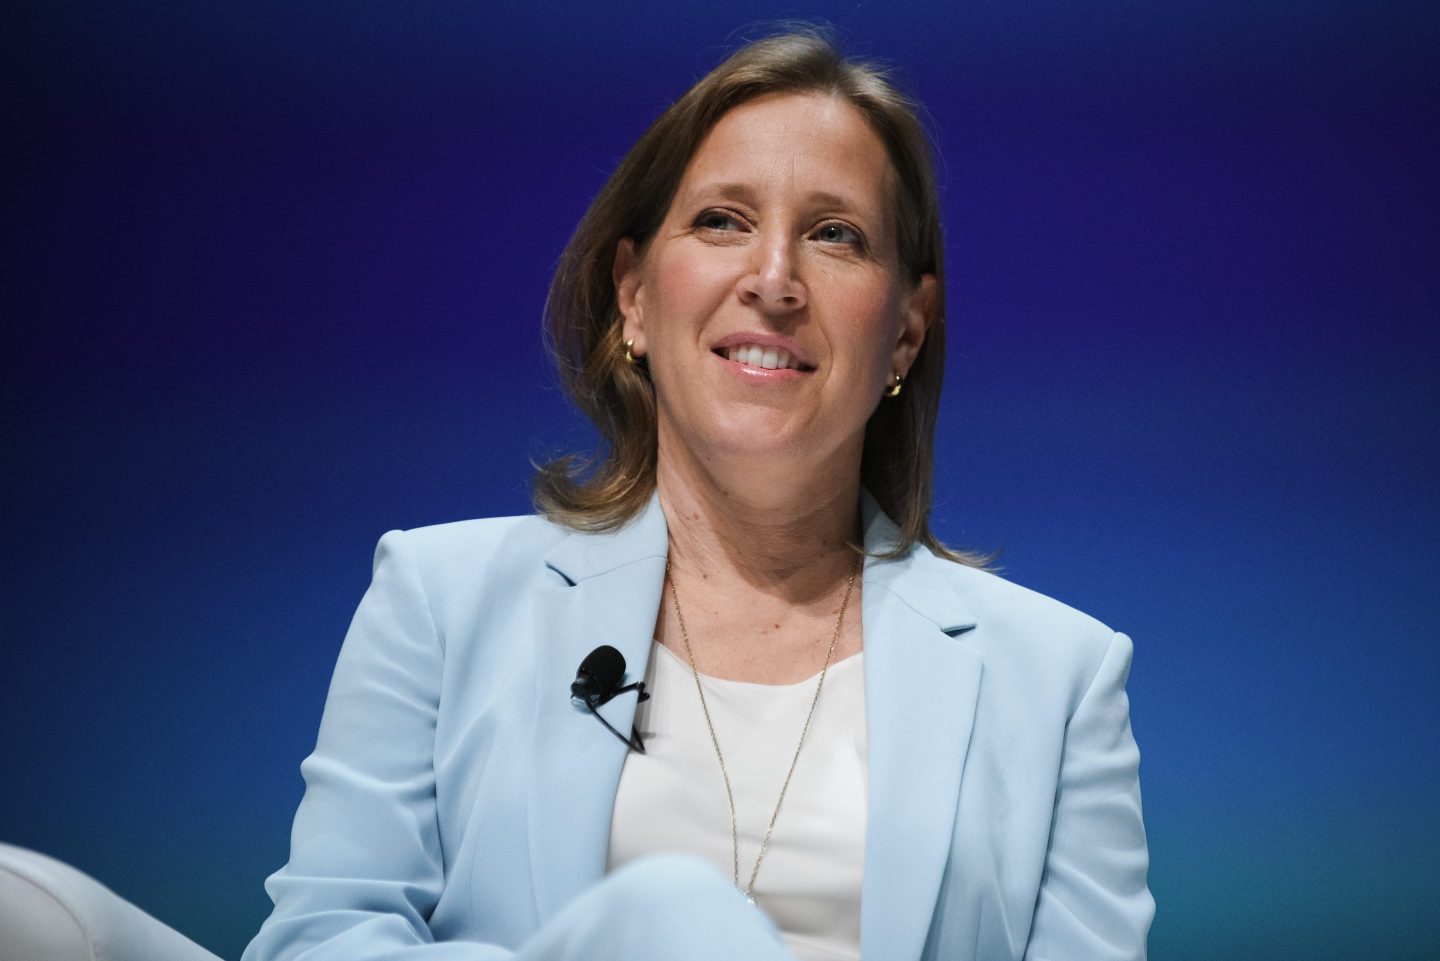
(669, 883)
(663, 906)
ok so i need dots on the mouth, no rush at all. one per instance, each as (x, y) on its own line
(758, 357)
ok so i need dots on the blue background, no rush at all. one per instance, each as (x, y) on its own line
(273, 280)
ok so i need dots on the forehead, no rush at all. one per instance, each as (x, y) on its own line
(795, 142)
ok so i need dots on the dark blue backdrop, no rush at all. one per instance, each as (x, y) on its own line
(273, 274)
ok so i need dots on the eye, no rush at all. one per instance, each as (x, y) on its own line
(718, 220)
(835, 232)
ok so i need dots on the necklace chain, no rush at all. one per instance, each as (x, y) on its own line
(715, 741)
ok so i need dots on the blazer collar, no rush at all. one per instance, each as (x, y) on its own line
(921, 689)
(583, 555)
(918, 578)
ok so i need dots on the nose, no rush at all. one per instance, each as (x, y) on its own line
(770, 283)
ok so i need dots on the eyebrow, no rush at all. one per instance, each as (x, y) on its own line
(831, 200)
(745, 194)
(735, 191)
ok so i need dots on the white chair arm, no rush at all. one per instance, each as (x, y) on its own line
(51, 912)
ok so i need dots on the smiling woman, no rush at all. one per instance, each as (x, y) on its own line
(850, 740)
(780, 241)
(583, 319)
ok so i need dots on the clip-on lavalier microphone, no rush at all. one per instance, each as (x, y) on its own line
(598, 680)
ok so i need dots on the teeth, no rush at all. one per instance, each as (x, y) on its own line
(767, 358)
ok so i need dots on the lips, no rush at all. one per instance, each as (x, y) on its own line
(758, 350)
(761, 357)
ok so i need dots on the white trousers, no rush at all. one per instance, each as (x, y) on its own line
(667, 907)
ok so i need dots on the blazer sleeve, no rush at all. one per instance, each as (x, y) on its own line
(366, 867)
(1094, 900)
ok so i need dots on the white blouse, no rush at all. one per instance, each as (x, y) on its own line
(672, 798)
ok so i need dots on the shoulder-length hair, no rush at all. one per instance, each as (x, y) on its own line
(583, 322)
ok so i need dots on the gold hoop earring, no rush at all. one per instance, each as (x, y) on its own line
(895, 385)
(629, 357)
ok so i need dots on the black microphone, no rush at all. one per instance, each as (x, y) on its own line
(598, 680)
(599, 676)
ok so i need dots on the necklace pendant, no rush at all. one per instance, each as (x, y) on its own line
(751, 899)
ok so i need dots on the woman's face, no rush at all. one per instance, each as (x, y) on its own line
(770, 305)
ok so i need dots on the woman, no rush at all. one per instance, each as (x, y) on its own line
(891, 752)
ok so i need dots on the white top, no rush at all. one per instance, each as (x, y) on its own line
(672, 798)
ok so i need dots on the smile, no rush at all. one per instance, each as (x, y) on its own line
(761, 358)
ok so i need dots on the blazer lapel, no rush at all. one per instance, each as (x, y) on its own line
(607, 592)
(921, 689)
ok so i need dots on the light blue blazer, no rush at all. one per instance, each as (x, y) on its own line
(457, 798)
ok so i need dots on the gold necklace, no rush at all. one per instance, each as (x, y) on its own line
(749, 888)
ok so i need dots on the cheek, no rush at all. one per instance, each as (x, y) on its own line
(680, 287)
(873, 320)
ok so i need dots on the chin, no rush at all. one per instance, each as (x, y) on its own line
(775, 439)
(747, 432)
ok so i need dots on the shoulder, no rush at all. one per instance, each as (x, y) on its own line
(1002, 602)
(1021, 634)
(462, 558)
(1026, 635)
(473, 541)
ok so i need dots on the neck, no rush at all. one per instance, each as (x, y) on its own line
(761, 527)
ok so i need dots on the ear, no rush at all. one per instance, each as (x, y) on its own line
(625, 273)
(917, 313)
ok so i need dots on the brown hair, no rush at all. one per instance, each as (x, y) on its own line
(583, 323)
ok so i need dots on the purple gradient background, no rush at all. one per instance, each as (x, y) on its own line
(273, 274)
